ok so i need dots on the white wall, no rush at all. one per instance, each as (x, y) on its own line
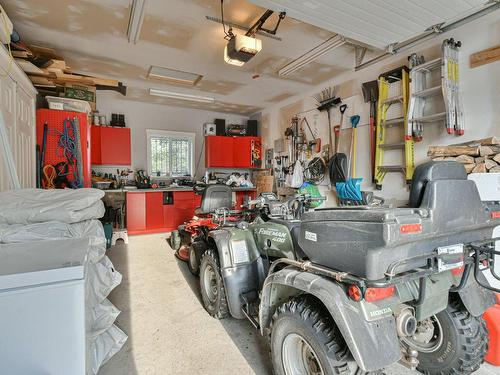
(480, 89)
(140, 116)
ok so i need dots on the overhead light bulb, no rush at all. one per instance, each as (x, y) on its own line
(231, 61)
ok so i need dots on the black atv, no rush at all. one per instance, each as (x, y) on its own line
(353, 290)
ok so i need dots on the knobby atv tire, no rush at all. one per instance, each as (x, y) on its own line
(193, 261)
(218, 308)
(465, 344)
(309, 319)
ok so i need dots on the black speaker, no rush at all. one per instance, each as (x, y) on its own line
(220, 126)
(252, 128)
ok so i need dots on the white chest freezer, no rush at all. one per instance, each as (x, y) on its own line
(42, 307)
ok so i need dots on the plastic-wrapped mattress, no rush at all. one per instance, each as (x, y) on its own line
(32, 215)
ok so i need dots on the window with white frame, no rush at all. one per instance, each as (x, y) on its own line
(170, 154)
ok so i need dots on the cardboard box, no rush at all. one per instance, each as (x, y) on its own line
(81, 92)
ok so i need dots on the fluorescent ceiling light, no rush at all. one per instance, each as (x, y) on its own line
(174, 76)
(231, 61)
(135, 21)
(180, 96)
(308, 57)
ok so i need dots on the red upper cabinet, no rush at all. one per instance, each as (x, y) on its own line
(219, 151)
(233, 152)
(110, 146)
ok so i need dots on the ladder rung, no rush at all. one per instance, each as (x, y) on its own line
(392, 146)
(392, 168)
(430, 118)
(433, 64)
(436, 90)
(392, 100)
(393, 122)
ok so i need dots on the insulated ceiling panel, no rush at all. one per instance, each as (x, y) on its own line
(376, 23)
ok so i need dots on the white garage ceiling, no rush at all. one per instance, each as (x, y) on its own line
(377, 23)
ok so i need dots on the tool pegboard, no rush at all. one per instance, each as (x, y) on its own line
(54, 152)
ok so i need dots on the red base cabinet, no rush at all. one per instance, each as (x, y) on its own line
(110, 145)
(136, 212)
(158, 211)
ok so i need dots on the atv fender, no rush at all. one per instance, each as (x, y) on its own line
(475, 298)
(373, 344)
(239, 277)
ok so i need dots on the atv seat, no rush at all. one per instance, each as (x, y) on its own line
(433, 171)
(214, 197)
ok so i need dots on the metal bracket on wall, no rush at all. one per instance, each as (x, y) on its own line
(359, 54)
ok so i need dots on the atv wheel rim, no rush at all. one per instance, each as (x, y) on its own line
(429, 336)
(210, 283)
(192, 259)
(299, 357)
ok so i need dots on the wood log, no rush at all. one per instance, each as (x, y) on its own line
(479, 168)
(452, 151)
(450, 158)
(497, 158)
(495, 169)
(479, 159)
(469, 167)
(440, 158)
(489, 150)
(465, 159)
(480, 142)
(490, 164)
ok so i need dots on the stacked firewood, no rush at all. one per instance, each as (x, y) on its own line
(479, 156)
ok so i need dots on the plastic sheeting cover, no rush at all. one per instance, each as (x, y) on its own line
(26, 206)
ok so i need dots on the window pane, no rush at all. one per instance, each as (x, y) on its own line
(170, 155)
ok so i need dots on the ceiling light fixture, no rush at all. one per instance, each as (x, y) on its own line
(180, 96)
(308, 57)
(135, 21)
(173, 76)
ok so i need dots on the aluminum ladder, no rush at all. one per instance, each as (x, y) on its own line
(393, 92)
(421, 93)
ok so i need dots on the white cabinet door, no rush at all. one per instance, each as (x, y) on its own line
(8, 108)
(25, 148)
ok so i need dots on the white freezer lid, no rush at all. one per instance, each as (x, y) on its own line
(44, 262)
(488, 185)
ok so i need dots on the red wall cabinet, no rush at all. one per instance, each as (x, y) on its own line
(233, 152)
(136, 212)
(110, 146)
(219, 151)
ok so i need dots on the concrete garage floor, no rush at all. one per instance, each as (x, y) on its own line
(170, 332)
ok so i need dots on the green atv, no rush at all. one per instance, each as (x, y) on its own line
(354, 290)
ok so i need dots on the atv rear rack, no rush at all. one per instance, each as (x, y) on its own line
(475, 254)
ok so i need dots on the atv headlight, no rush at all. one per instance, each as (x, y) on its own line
(240, 252)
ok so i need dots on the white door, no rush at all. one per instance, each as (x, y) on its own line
(25, 139)
(8, 108)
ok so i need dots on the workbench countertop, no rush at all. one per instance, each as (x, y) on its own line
(181, 188)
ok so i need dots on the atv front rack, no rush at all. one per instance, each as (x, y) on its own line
(479, 256)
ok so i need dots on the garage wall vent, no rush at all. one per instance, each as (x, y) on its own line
(173, 76)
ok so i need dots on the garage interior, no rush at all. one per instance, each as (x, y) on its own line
(249, 186)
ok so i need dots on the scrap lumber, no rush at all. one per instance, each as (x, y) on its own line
(452, 151)
(495, 169)
(497, 158)
(484, 57)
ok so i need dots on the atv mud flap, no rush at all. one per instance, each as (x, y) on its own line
(475, 298)
(373, 344)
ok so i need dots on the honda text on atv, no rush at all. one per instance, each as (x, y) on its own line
(353, 290)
